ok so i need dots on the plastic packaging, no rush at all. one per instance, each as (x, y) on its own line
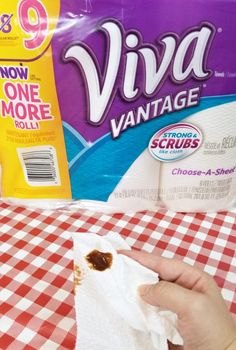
(118, 105)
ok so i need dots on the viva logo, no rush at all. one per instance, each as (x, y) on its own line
(172, 57)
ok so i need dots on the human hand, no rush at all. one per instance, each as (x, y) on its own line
(203, 319)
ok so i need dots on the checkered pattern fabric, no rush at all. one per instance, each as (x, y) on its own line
(36, 264)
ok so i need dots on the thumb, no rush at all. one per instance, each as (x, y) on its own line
(168, 296)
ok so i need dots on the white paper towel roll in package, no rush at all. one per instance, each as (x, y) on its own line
(138, 186)
(215, 188)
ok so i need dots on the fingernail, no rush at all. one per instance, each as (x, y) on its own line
(144, 289)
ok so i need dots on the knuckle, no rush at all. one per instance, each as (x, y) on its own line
(207, 279)
(208, 282)
(151, 295)
(161, 287)
(203, 283)
(199, 304)
(158, 292)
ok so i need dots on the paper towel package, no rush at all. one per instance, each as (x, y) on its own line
(179, 188)
(108, 307)
(117, 106)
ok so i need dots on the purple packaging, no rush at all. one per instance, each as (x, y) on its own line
(147, 96)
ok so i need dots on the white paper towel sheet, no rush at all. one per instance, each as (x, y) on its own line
(109, 312)
(209, 192)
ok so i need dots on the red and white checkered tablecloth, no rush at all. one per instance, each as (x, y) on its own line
(36, 264)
